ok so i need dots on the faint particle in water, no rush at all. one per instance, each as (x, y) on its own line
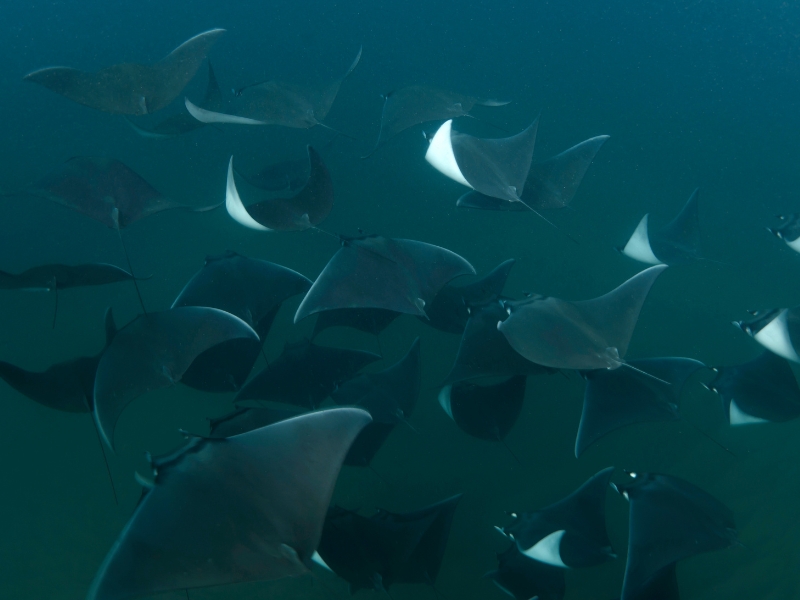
(670, 520)
(570, 533)
(209, 500)
(583, 335)
(131, 88)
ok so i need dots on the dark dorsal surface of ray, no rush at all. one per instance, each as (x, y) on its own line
(389, 396)
(763, 389)
(670, 520)
(584, 335)
(56, 276)
(105, 190)
(523, 578)
(416, 104)
(449, 311)
(789, 230)
(425, 560)
(66, 386)
(248, 418)
(250, 289)
(154, 351)
(777, 330)
(496, 167)
(130, 88)
(620, 397)
(309, 207)
(183, 123)
(278, 103)
(305, 374)
(487, 412)
(485, 352)
(678, 241)
(223, 511)
(368, 320)
(377, 272)
(551, 184)
(570, 533)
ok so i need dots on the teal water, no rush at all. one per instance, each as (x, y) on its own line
(700, 93)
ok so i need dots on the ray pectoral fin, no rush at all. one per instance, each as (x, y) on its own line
(440, 154)
(209, 116)
(234, 206)
(547, 550)
(638, 246)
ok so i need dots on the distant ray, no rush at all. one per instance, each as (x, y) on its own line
(523, 578)
(620, 397)
(450, 308)
(245, 419)
(368, 320)
(130, 88)
(485, 352)
(670, 520)
(153, 352)
(250, 289)
(676, 243)
(487, 412)
(550, 184)
(105, 190)
(496, 167)
(377, 272)
(56, 276)
(248, 508)
(761, 390)
(777, 330)
(584, 335)
(183, 123)
(66, 386)
(277, 103)
(789, 231)
(570, 533)
(305, 374)
(304, 210)
(417, 104)
(389, 396)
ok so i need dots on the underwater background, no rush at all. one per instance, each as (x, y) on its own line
(693, 93)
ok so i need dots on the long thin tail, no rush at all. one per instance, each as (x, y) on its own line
(105, 459)
(130, 269)
(510, 451)
(553, 225)
(55, 307)
(645, 373)
(708, 437)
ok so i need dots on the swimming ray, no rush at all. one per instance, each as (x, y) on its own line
(389, 396)
(277, 103)
(450, 309)
(570, 533)
(248, 418)
(676, 243)
(130, 88)
(305, 374)
(247, 508)
(154, 351)
(777, 330)
(487, 412)
(758, 391)
(304, 210)
(418, 104)
(789, 231)
(584, 335)
(372, 271)
(670, 520)
(182, 123)
(368, 320)
(523, 578)
(551, 184)
(621, 397)
(250, 289)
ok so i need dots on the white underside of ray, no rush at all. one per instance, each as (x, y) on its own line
(638, 247)
(319, 560)
(234, 206)
(795, 245)
(736, 416)
(775, 337)
(209, 116)
(547, 550)
(444, 400)
(440, 154)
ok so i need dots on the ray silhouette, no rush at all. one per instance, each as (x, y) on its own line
(789, 230)
(247, 418)
(585, 335)
(130, 88)
(368, 320)
(777, 330)
(250, 289)
(523, 578)
(487, 412)
(247, 508)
